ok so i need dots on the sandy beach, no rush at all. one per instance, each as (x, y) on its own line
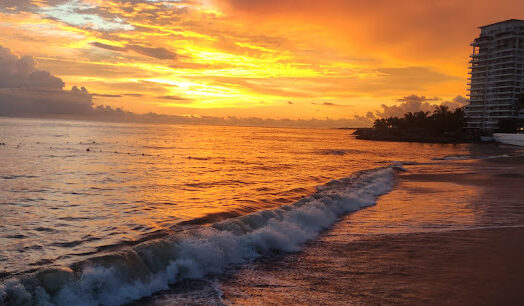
(470, 262)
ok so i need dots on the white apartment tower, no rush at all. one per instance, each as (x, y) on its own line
(496, 74)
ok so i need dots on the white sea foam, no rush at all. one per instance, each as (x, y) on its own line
(131, 273)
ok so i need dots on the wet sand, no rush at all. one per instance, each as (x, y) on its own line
(476, 259)
(479, 267)
(450, 233)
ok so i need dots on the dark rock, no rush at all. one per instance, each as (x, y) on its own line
(412, 136)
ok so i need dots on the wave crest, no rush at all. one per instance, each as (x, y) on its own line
(134, 272)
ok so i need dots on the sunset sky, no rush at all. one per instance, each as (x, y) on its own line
(263, 58)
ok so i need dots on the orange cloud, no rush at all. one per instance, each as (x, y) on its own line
(250, 57)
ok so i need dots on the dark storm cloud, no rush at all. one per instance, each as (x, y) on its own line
(14, 70)
(37, 102)
(43, 79)
(25, 90)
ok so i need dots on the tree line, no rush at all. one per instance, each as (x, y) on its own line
(442, 120)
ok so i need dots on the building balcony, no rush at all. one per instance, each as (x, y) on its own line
(504, 74)
(500, 98)
(493, 81)
(507, 105)
(492, 117)
(479, 43)
(491, 67)
(505, 62)
(474, 108)
(495, 113)
(500, 85)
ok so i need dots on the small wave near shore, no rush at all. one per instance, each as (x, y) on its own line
(131, 273)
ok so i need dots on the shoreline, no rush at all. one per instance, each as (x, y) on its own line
(356, 263)
(361, 260)
(392, 135)
(467, 267)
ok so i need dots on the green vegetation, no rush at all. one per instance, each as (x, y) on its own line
(443, 125)
(441, 121)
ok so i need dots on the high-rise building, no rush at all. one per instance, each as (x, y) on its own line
(496, 79)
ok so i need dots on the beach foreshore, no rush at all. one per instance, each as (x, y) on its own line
(476, 260)
(476, 267)
(451, 232)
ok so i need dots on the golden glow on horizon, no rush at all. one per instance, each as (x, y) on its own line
(208, 55)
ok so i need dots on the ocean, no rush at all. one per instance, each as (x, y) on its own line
(110, 213)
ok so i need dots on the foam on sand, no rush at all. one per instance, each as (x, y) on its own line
(133, 272)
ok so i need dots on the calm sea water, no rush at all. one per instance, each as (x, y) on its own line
(109, 213)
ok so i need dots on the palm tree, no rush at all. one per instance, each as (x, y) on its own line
(409, 120)
(391, 122)
(421, 115)
(441, 111)
(380, 124)
(410, 117)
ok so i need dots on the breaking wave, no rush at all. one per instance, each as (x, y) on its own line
(118, 277)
